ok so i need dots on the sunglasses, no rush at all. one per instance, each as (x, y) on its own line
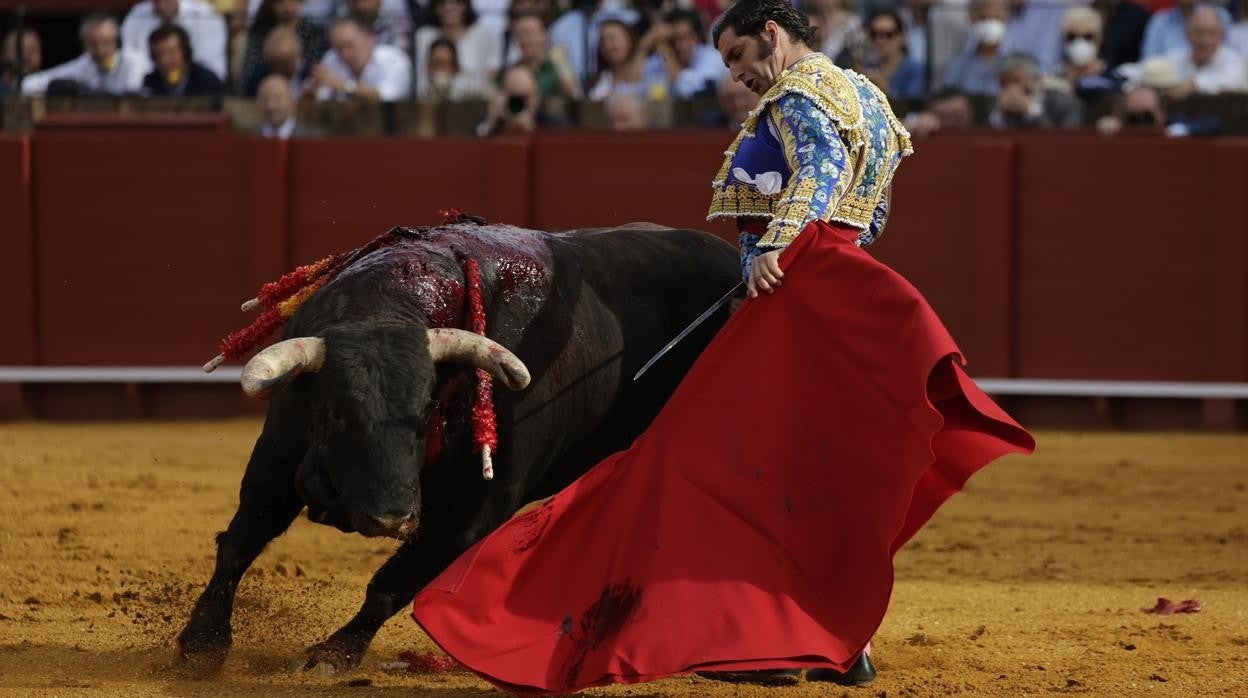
(1088, 36)
(886, 34)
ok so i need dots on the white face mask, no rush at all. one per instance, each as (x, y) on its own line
(441, 81)
(990, 32)
(1080, 52)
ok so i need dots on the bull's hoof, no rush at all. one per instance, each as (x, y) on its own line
(327, 659)
(768, 677)
(201, 653)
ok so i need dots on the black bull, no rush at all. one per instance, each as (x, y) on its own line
(583, 310)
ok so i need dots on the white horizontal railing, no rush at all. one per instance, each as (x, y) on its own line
(996, 386)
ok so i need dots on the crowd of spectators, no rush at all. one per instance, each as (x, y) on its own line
(1035, 63)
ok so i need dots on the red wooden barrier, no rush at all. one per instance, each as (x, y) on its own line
(587, 179)
(144, 254)
(951, 234)
(345, 192)
(1047, 256)
(1124, 247)
(17, 267)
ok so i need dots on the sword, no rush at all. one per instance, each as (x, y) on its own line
(692, 326)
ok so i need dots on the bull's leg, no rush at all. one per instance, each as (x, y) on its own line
(392, 588)
(267, 505)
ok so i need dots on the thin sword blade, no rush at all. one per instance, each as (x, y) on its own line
(692, 326)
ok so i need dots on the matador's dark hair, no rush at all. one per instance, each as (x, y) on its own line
(747, 17)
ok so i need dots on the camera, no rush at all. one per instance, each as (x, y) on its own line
(516, 104)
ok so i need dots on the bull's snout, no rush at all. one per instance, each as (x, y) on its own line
(399, 526)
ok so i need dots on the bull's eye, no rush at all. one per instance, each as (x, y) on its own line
(335, 416)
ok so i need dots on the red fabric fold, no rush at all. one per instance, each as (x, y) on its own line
(753, 524)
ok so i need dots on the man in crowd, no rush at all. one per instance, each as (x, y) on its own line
(104, 67)
(202, 23)
(359, 68)
(176, 74)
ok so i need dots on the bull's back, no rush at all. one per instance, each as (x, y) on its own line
(628, 292)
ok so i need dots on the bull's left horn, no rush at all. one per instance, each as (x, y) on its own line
(277, 365)
(461, 346)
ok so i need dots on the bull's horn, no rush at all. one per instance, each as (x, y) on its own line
(277, 365)
(463, 347)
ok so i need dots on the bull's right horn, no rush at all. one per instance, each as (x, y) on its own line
(273, 368)
(464, 347)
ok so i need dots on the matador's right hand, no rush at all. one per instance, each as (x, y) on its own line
(765, 274)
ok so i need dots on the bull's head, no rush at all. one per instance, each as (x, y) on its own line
(366, 416)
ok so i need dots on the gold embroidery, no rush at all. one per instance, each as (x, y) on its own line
(835, 92)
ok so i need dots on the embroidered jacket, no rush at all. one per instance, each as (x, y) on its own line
(821, 144)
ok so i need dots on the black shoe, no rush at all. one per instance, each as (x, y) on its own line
(861, 673)
(762, 677)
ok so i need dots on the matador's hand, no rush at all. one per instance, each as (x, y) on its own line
(765, 274)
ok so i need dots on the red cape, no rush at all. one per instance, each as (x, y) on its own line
(753, 524)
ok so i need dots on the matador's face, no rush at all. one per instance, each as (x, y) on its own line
(752, 60)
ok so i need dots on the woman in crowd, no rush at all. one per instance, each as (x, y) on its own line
(622, 66)
(887, 64)
(479, 45)
(273, 14)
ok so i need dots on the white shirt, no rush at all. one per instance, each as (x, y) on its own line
(126, 77)
(480, 52)
(1227, 72)
(389, 71)
(283, 132)
(202, 23)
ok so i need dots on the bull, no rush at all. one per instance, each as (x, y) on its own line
(370, 393)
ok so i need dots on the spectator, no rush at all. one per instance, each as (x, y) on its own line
(274, 14)
(549, 66)
(104, 67)
(393, 28)
(627, 113)
(478, 45)
(517, 107)
(276, 102)
(839, 28)
(1206, 66)
(682, 57)
(176, 73)
(1144, 112)
(949, 110)
(1124, 23)
(1023, 102)
(578, 29)
(735, 103)
(283, 55)
(1084, 73)
(444, 81)
(936, 31)
(31, 60)
(975, 70)
(542, 8)
(890, 68)
(1237, 34)
(621, 66)
(1166, 32)
(201, 22)
(358, 68)
(1034, 27)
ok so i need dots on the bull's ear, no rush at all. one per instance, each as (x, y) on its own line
(276, 366)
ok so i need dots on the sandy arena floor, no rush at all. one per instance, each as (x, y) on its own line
(1031, 582)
